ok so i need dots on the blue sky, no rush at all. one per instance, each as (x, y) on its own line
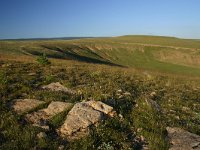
(66, 18)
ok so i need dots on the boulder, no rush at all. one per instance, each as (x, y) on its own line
(58, 87)
(56, 107)
(41, 117)
(81, 116)
(21, 106)
(183, 140)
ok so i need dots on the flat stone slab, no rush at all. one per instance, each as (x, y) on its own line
(183, 140)
(83, 115)
(58, 87)
(41, 117)
(98, 105)
(21, 106)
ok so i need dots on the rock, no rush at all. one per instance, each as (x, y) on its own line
(145, 147)
(153, 94)
(24, 105)
(32, 74)
(119, 91)
(41, 117)
(61, 147)
(172, 111)
(100, 107)
(56, 107)
(177, 117)
(136, 105)
(139, 129)
(81, 116)
(153, 104)
(127, 93)
(142, 138)
(41, 135)
(58, 87)
(185, 108)
(141, 142)
(42, 125)
(5, 65)
(183, 140)
(121, 96)
(120, 116)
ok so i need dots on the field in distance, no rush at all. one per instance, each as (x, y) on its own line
(153, 53)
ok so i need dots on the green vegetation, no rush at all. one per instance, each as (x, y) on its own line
(165, 54)
(43, 59)
(93, 68)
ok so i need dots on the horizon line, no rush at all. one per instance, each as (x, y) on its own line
(81, 37)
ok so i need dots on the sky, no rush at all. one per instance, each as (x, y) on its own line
(97, 18)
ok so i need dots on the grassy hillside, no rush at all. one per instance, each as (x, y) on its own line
(127, 73)
(178, 98)
(165, 54)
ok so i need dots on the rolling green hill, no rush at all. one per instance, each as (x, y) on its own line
(156, 53)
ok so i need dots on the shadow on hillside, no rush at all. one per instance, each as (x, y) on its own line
(70, 54)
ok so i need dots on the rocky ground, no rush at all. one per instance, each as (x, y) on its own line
(183, 140)
(56, 108)
(83, 115)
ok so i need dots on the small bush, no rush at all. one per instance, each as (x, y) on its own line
(43, 59)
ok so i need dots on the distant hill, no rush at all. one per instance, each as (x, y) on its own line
(157, 53)
(56, 38)
(161, 40)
